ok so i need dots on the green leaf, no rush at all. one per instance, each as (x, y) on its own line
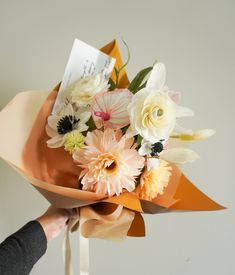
(91, 124)
(135, 84)
(128, 56)
(117, 75)
(124, 129)
(119, 69)
(142, 86)
(112, 85)
(139, 139)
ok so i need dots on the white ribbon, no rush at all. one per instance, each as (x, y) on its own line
(92, 224)
(66, 249)
(84, 255)
(83, 250)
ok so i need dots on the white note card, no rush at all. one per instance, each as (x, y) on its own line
(84, 60)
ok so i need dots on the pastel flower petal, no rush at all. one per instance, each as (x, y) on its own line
(131, 132)
(153, 181)
(53, 121)
(179, 155)
(175, 96)
(179, 129)
(50, 132)
(152, 163)
(82, 127)
(203, 134)
(77, 120)
(145, 148)
(55, 142)
(84, 116)
(183, 111)
(84, 89)
(109, 165)
(67, 110)
(157, 77)
(194, 135)
(109, 109)
(152, 114)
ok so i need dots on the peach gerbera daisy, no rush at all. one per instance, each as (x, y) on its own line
(153, 182)
(110, 162)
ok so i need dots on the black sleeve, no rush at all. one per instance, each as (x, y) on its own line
(20, 251)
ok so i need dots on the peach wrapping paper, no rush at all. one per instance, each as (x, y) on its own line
(53, 174)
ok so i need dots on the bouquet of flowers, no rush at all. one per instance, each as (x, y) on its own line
(105, 145)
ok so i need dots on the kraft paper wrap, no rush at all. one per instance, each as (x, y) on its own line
(53, 173)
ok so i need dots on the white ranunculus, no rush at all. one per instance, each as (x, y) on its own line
(152, 111)
(152, 114)
(85, 89)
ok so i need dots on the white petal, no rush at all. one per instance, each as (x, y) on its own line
(204, 133)
(56, 141)
(179, 155)
(175, 96)
(53, 121)
(157, 77)
(180, 129)
(50, 132)
(145, 148)
(67, 110)
(152, 163)
(82, 127)
(142, 151)
(84, 117)
(130, 132)
(183, 111)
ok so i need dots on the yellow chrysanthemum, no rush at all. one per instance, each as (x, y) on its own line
(73, 141)
(154, 181)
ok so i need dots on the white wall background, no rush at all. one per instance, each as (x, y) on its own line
(195, 39)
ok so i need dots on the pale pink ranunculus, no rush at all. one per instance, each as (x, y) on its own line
(109, 109)
(110, 163)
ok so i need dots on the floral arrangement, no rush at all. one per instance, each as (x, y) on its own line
(120, 137)
(104, 146)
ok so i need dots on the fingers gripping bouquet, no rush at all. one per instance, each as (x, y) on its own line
(105, 145)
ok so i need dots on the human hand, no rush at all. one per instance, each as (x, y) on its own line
(54, 220)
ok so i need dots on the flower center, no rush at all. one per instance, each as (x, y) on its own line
(112, 166)
(152, 115)
(66, 124)
(108, 163)
(156, 148)
(105, 116)
(74, 140)
(157, 113)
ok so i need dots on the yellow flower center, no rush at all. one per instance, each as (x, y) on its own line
(73, 141)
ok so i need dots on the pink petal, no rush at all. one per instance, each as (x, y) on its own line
(109, 109)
